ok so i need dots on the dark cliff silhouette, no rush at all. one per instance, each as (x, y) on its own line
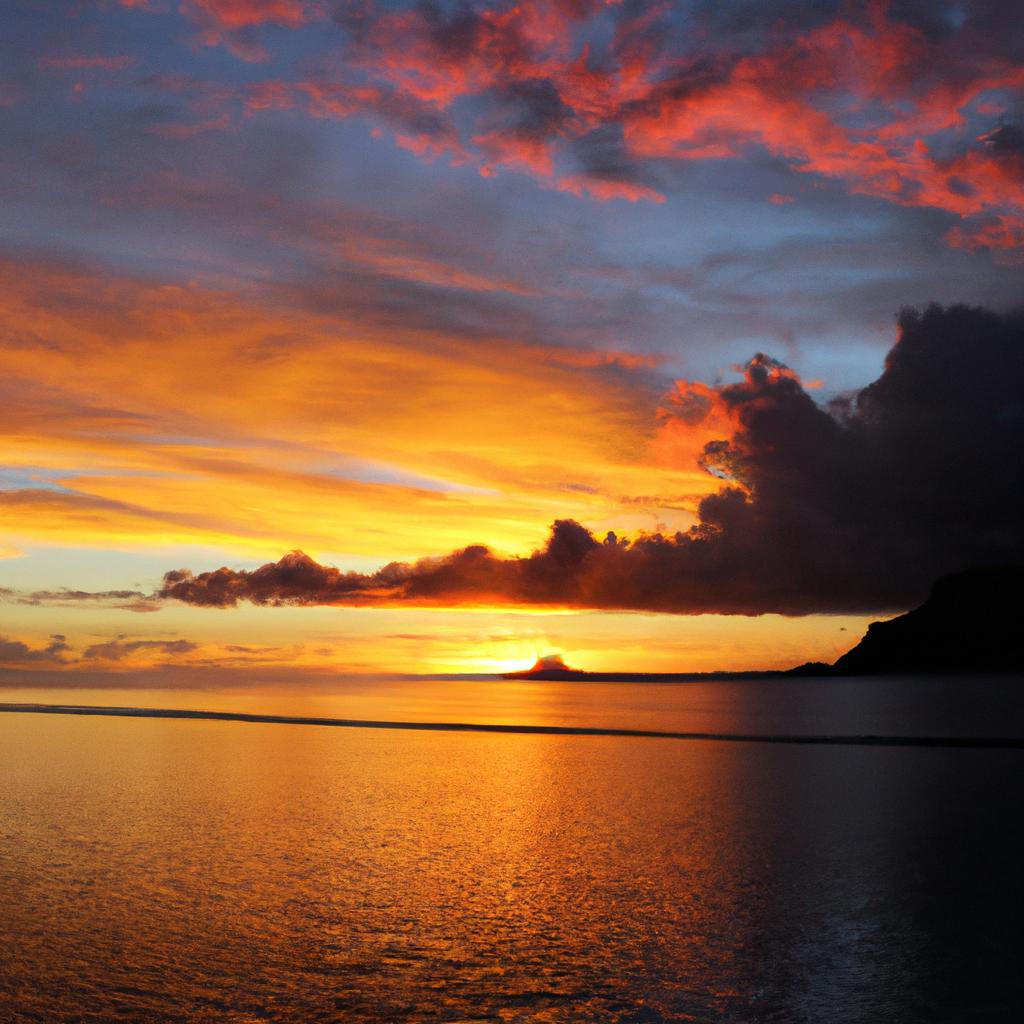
(970, 623)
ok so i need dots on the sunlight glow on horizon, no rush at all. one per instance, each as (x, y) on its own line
(391, 289)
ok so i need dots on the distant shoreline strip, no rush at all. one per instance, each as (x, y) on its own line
(980, 742)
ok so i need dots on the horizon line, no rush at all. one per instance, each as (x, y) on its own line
(980, 742)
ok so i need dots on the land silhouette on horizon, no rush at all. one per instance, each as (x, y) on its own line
(969, 623)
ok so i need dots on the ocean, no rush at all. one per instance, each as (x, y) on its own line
(166, 870)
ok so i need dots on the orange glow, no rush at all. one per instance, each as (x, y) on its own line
(411, 288)
(277, 641)
(463, 456)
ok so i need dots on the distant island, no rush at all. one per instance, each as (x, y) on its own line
(552, 668)
(970, 623)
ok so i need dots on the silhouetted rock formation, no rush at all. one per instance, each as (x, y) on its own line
(553, 669)
(971, 623)
(550, 667)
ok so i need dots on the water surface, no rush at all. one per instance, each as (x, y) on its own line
(894, 705)
(158, 870)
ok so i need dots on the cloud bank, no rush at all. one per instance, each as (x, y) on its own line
(593, 98)
(857, 506)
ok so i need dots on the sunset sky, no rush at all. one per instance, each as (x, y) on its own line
(398, 283)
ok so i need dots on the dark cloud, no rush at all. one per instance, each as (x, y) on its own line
(995, 25)
(18, 653)
(855, 507)
(602, 154)
(1006, 142)
(457, 32)
(534, 109)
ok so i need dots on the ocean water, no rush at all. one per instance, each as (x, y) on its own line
(167, 870)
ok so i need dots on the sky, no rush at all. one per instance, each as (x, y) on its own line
(664, 336)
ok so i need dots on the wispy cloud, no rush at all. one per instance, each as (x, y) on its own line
(64, 597)
(118, 650)
(432, 433)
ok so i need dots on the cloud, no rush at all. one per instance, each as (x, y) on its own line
(1002, 235)
(596, 99)
(857, 506)
(856, 101)
(605, 189)
(188, 130)
(244, 13)
(15, 652)
(317, 419)
(592, 98)
(124, 600)
(232, 23)
(116, 650)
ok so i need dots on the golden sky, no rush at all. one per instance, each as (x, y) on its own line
(383, 292)
(335, 437)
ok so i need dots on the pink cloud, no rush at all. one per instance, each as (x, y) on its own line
(234, 14)
(857, 101)
(605, 190)
(999, 233)
(864, 100)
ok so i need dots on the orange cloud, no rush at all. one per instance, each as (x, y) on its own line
(580, 185)
(118, 650)
(115, 388)
(501, 149)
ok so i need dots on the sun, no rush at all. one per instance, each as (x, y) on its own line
(515, 656)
